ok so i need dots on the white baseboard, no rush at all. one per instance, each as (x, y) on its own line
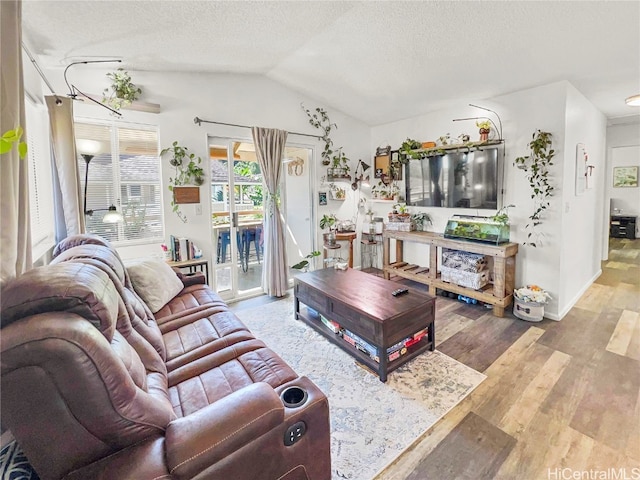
(571, 304)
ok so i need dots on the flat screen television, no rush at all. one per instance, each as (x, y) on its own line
(462, 178)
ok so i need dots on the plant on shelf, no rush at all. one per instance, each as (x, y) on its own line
(122, 92)
(485, 128)
(328, 221)
(11, 138)
(537, 167)
(188, 171)
(337, 193)
(319, 119)
(339, 166)
(407, 150)
(422, 220)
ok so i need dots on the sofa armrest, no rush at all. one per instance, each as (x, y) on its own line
(203, 438)
(188, 279)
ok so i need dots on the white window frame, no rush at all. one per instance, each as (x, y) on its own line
(116, 179)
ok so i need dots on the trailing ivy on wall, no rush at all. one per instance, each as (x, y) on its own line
(319, 119)
(536, 166)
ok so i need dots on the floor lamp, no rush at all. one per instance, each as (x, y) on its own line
(89, 149)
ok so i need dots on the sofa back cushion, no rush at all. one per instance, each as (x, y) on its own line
(67, 287)
(107, 259)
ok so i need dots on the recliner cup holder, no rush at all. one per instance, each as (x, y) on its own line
(293, 397)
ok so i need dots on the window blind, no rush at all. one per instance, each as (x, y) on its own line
(125, 173)
(40, 186)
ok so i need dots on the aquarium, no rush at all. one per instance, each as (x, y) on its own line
(478, 229)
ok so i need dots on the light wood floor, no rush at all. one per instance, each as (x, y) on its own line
(560, 398)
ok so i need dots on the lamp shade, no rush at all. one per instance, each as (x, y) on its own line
(112, 216)
(88, 147)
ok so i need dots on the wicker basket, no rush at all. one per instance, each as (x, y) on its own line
(475, 280)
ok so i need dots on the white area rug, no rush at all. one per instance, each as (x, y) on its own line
(371, 422)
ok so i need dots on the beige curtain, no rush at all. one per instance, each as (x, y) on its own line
(269, 145)
(69, 208)
(15, 231)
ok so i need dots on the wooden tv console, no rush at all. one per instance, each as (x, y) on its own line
(499, 293)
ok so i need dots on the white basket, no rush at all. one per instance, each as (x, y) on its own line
(475, 280)
(530, 311)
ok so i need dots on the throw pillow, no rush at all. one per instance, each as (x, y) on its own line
(155, 282)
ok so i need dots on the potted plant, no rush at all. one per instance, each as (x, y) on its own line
(328, 221)
(537, 167)
(400, 213)
(422, 220)
(337, 193)
(485, 128)
(407, 152)
(188, 171)
(340, 166)
(122, 92)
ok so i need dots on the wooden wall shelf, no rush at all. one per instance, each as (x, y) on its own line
(499, 293)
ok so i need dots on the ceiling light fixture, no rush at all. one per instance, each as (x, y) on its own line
(633, 101)
(89, 149)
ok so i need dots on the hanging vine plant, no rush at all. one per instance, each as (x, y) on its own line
(536, 166)
(188, 171)
(319, 119)
(122, 91)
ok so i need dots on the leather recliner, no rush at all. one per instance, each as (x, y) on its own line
(94, 386)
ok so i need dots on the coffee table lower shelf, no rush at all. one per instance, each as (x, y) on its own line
(382, 370)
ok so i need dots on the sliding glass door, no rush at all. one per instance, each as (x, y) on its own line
(237, 216)
(237, 198)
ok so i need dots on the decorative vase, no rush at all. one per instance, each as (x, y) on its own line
(484, 134)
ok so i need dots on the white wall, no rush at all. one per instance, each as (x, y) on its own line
(557, 108)
(238, 99)
(582, 219)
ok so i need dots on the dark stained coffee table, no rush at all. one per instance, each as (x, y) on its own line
(363, 305)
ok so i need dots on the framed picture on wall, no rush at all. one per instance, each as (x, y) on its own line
(322, 198)
(625, 176)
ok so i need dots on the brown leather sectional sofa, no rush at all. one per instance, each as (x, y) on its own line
(94, 386)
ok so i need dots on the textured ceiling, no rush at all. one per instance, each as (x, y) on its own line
(376, 61)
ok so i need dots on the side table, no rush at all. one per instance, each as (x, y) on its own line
(193, 265)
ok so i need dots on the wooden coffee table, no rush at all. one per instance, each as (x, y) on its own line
(362, 305)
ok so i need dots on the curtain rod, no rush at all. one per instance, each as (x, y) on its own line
(200, 121)
(37, 67)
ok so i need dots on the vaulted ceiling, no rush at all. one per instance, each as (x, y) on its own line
(378, 61)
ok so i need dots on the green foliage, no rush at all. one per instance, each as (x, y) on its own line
(11, 138)
(305, 263)
(122, 91)
(191, 173)
(536, 165)
(328, 221)
(407, 150)
(502, 215)
(319, 119)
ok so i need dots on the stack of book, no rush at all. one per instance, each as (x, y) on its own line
(182, 249)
